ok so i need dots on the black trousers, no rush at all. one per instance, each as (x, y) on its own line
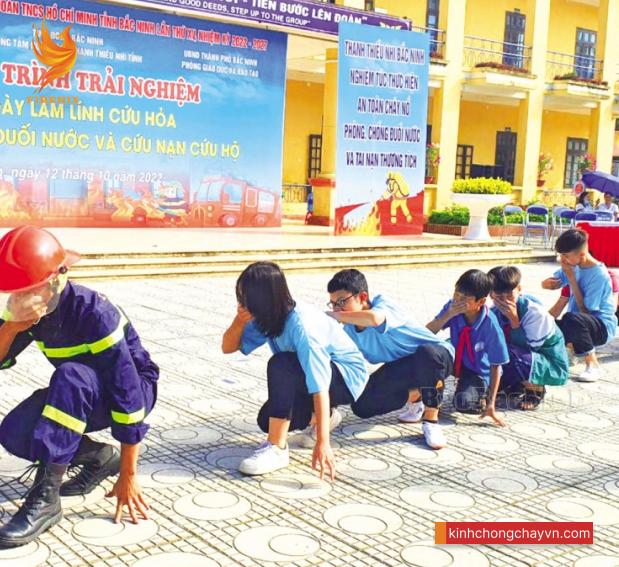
(470, 391)
(584, 331)
(288, 394)
(388, 387)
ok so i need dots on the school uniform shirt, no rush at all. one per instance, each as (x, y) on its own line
(538, 333)
(597, 292)
(86, 328)
(317, 339)
(614, 281)
(399, 335)
(582, 208)
(480, 345)
(612, 209)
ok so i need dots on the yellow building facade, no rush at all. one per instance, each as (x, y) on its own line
(509, 79)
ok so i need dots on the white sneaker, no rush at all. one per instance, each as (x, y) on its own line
(310, 435)
(591, 374)
(267, 458)
(413, 413)
(435, 438)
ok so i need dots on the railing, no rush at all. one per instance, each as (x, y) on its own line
(480, 52)
(564, 197)
(437, 41)
(573, 67)
(295, 193)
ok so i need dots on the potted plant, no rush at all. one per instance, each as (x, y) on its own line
(433, 158)
(479, 196)
(586, 163)
(544, 167)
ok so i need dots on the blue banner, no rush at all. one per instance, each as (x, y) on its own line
(381, 130)
(161, 120)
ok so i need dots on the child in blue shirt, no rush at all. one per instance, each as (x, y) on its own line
(537, 353)
(480, 344)
(590, 320)
(315, 366)
(416, 362)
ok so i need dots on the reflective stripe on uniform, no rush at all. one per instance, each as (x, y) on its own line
(129, 418)
(65, 419)
(94, 348)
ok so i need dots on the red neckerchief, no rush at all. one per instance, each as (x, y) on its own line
(465, 339)
(506, 330)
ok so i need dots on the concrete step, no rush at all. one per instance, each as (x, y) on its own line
(306, 263)
(421, 245)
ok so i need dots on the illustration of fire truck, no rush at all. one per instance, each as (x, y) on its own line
(228, 202)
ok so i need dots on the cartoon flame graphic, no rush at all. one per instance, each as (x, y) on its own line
(370, 226)
(59, 58)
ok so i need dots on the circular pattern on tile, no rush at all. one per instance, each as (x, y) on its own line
(293, 445)
(579, 419)
(296, 486)
(584, 510)
(445, 456)
(159, 416)
(489, 442)
(369, 469)
(228, 459)
(29, 555)
(606, 451)
(212, 506)
(247, 424)
(427, 554)
(474, 418)
(539, 430)
(191, 435)
(273, 543)
(436, 497)
(558, 464)
(601, 387)
(363, 519)
(175, 558)
(171, 390)
(502, 481)
(568, 396)
(598, 561)
(104, 532)
(612, 487)
(611, 409)
(77, 501)
(12, 466)
(369, 432)
(215, 405)
(160, 475)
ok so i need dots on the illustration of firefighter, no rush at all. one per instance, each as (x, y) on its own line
(174, 204)
(398, 192)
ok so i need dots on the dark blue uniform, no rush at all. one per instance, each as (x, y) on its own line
(103, 378)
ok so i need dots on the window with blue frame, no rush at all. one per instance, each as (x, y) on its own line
(584, 62)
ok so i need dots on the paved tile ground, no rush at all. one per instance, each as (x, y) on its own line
(559, 463)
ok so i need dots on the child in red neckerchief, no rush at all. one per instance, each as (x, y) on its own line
(479, 342)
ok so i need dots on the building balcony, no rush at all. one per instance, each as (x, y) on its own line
(497, 68)
(575, 76)
(437, 54)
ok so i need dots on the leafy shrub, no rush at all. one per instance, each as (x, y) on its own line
(482, 186)
(458, 215)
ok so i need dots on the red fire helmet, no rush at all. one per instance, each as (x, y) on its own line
(31, 257)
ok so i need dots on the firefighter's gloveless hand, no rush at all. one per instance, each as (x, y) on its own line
(129, 493)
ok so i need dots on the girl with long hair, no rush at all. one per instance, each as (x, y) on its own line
(315, 367)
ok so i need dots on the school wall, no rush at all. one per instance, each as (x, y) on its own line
(486, 18)
(565, 17)
(414, 10)
(303, 116)
(557, 127)
(479, 124)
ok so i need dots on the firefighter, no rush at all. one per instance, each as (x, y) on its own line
(398, 192)
(103, 378)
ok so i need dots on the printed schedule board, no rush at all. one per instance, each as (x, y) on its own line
(161, 120)
(382, 109)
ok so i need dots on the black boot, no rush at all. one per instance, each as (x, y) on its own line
(98, 461)
(40, 511)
